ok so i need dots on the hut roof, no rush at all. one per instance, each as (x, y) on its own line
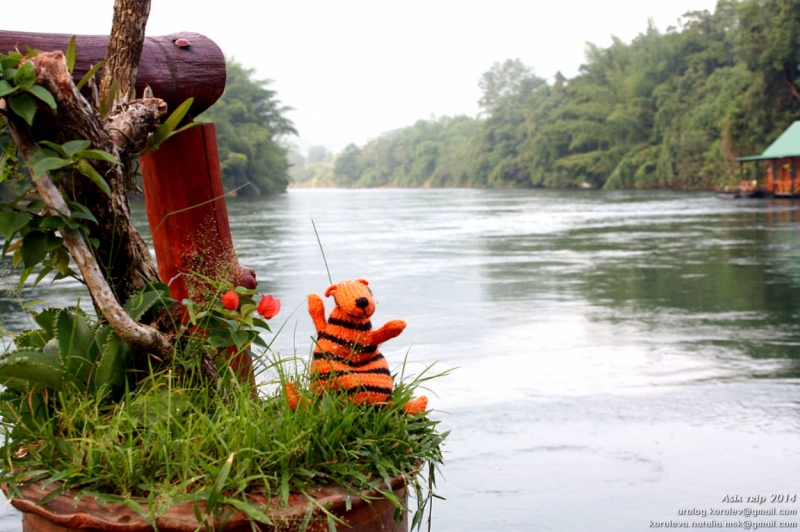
(787, 145)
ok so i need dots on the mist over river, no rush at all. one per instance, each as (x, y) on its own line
(623, 359)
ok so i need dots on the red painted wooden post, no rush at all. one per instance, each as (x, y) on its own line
(189, 221)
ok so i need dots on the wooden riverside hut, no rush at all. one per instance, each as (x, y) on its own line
(781, 165)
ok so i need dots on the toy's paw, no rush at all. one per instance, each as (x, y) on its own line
(293, 395)
(315, 304)
(397, 325)
(416, 406)
(387, 332)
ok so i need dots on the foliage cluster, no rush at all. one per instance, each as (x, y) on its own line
(664, 111)
(250, 125)
(179, 437)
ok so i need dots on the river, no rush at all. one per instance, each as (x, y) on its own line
(621, 358)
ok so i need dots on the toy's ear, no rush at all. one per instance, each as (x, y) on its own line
(363, 281)
(330, 290)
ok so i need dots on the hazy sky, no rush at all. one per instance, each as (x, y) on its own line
(353, 69)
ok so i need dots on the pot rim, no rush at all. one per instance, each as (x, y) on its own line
(72, 509)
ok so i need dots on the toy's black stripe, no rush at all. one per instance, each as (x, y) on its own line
(363, 327)
(333, 374)
(353, 346)
(377, 389)
(319, 355)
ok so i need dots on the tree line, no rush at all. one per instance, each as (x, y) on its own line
(667, 110)
(251, 123)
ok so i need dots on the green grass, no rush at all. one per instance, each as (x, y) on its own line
(174, 440)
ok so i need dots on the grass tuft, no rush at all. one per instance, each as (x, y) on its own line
(176, 439)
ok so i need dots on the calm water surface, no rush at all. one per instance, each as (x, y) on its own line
(621, 356)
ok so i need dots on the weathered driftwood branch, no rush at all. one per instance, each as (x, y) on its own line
(123, 257)
(130, 125)
(125, 47)
(137, 336)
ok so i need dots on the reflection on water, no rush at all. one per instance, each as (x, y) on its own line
(621, 355)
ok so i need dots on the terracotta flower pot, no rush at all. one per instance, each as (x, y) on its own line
(63, 514)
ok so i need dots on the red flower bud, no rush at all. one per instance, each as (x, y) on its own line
(230, 300)
(268, 307)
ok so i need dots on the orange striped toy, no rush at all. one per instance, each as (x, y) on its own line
(346, 355)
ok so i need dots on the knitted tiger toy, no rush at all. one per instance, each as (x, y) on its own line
(346, 355)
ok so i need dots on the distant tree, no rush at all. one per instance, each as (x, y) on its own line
(347, 168)
(317, 154)
(250, 124)
(504, 79)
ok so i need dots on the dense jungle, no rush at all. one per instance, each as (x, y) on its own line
(667, 110)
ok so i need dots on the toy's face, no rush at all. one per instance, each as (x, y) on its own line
(353, 297)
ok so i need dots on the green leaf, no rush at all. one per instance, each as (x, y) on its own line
(44, 95)
(23, 276)
(33, 248)
(11, 60)
(81, 216)
(109, 368)
(61, 475)
(75, 339)
(71, 54)
(46, 320)
(261, 323)
(11, 222)
(40, 154)
(74, 146)
(25, 77)
(218, 341)
(89, 75)
(253, 511)
(165, 130)
(99, 155)
(52, 242)
(48, 164)
(219, 483)
(33, 366)
(51, 222)
(140, 303)
(42, 274)
(88, 170)
(24, 106)
(60, 260)
(58, 148)
(240, 338)
(80, 211)
(34, 339)
(6, 88)
(107, 100)
(257, 340)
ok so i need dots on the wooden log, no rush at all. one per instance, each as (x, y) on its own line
(176, 66)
